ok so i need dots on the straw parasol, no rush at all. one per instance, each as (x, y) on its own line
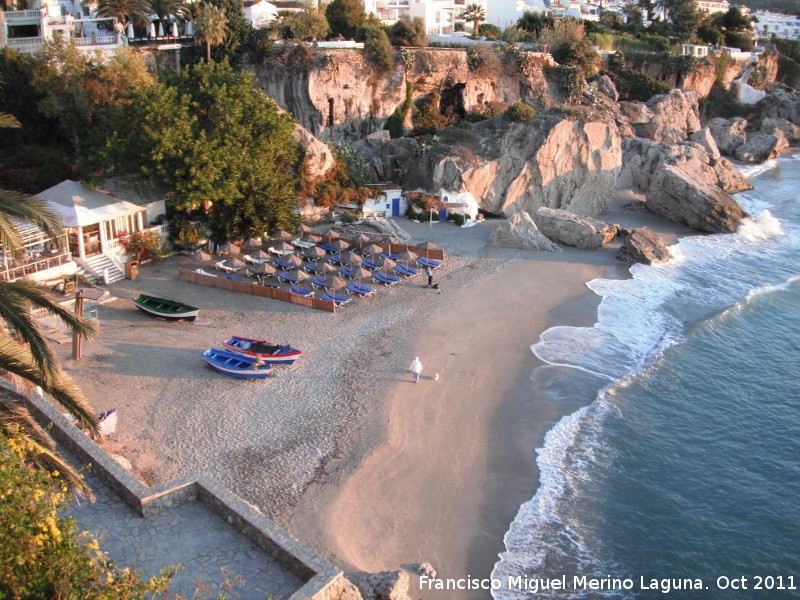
(333, 235)
(356, 259)
(298, 275)
(230, 248)
(259, 256)
(200, 255)
(326, 268)
(334, 282)
(406, 256)
(303, 229)
(428, 246)
(293, 260)
(314, 253)
(282, 246)
(280, 234)
(372, 249)
(263, 269)
(361, 239)
(252, 243)
(233, 263)
(391, 240)
(359, 273)
(388, 263)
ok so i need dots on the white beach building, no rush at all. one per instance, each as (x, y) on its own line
(768, 24)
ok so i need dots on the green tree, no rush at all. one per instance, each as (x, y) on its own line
(345, 17)
(490, 32)
(476, 15)
(378, 49)
(164, 9)
(633, 14)
(212, 138)
(409, 32)
(123, 10)
(534, 22)
(210, 26)
(308, 24)
(685, 17)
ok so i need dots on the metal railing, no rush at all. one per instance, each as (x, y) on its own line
(18, 271)
(21, 15)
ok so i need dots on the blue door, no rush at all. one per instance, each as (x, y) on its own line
(443, 214)
(395, 207)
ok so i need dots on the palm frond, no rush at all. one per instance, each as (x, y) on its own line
(8, 121)
(14, 205)
(17, 360)
(15, 300)
(16, 420)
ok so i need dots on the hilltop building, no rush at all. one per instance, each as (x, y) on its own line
(768, 24)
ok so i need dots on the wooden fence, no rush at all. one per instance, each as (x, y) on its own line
(242, 287)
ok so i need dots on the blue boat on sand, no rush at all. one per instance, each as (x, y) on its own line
(236, 365)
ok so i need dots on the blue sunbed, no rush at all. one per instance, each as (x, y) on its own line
(360, 290)
(328, 248)
(337, 298)
(286, 266)
(298, 291)
(319, 283)
(405, 271)
(237, 278)
(346, 272)
(337, 260)
(368, 264)
(426, 262)
(389, 255)
(287, 278)
(385, 278)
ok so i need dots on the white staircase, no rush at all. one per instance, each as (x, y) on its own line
(94, 267)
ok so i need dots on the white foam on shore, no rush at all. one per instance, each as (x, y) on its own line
(638, 319)
(753, 170)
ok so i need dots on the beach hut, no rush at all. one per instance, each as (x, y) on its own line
(462, 203)
(94, 220)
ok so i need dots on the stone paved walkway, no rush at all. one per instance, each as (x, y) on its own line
(208, 548)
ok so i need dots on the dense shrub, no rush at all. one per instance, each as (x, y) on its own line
(483, 60)
(633, 85)
(394, 124)
(737, 39)
(428, 117)
(408, 32)
(579, 54)
(457, 218)
(490, 32)
(458, 136)
(569, 81)
(720, 102)
(378, 49)
(521, 112)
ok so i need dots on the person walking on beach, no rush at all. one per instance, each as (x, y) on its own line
(415, 368)
(430, 277)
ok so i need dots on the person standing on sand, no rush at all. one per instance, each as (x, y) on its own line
(415, 368)
(430, 277)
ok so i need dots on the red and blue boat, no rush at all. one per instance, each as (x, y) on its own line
(236, 365)
(269, 352)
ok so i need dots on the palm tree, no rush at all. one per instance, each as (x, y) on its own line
(123, 10)
(164, 9)
(475, 13)
(25, 354)
(210, 26)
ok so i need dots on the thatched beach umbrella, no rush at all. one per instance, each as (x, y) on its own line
(427, 247)
(303, 229)
(233, 263)
(359, 273)
(327, 268)
(360, 240)
(200, 255)
(252, 243)
(332, 235)
(334, 282)
(263, 269)
(297, 275)
(391, 240)
(388, 263)
(339, 245)
(406, 256)
(259, 256)
(229, 248)
(314, 253)
(282, 247)
(293, 260)
(372, 249)
(280, 234)
(356, 259)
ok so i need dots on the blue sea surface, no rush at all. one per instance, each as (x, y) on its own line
(687, 464)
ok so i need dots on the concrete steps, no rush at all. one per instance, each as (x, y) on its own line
(95, 268)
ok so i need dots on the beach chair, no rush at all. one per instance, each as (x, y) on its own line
(405, 271)
(319, 283)
(239, 278)
(287, 278)
(329, 249)
(368, 264)
(303, 244)
(336, 298)
(357, 289)
(385, 278)
(426, 262)
(338, 260)
(298, 291)
(202, 272)
(221, 266)
(346, 272)
(389, 255)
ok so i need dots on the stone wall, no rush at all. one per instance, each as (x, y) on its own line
(323, 580)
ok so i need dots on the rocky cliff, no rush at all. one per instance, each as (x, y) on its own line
(338, 93)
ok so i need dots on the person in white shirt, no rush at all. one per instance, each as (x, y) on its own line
(416, 369)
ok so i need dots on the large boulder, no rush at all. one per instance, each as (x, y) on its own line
(573, 230)
(388, 585)
(605, 85)
(643, 159)
(319, 158)
(789, 130)
(642, 246)
(552, 162)
(684, 197)
(668, 118)
(706, 140)
(761, 146)
(728, 133)
(780, 104)
(520, 231)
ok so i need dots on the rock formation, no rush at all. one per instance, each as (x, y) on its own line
(668, 118)
(706, 140)
(728, 133)
(319, 158)
(389, 585)
(642, 245)
(643, 159)
(779, 104)
(761, 146)
(571, 230)
(789, 130)
(520, 231)
(684, 197)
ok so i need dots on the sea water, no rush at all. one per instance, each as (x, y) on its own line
(682, 476)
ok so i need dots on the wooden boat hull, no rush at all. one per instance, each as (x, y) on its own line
(270, 353)
(236, 365)
(166, 309)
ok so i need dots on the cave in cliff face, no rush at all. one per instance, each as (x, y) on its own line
(452, 101)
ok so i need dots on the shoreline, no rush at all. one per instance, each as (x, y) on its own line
(453, 514)
(316, 448)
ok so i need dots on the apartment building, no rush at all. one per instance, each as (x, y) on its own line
(768, 24)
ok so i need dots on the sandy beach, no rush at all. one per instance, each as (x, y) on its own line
(371, 470)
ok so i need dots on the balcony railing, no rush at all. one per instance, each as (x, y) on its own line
(23, 43)
(21, 15)
(13, 270)
(97, 40)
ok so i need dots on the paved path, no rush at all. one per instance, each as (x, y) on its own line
(209, 549)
